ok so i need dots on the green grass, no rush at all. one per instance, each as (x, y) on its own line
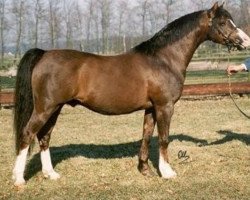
(214, 76)
(7, 82)
(223, 57)
(8, 62)
(96, 155)
(220, 54)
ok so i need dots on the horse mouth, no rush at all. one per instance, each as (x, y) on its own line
(235, 45)
(240, 47)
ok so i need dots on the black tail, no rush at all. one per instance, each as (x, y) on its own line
(23, 92)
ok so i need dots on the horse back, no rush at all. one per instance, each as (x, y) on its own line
(106, 84)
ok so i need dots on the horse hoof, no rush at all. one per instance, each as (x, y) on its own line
(51, 175)
(19, 183)
(147, 172)
(18, 180)
(165, 169)
(169, 174)
(54, 176)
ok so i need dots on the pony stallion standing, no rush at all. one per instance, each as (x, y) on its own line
(150, 77)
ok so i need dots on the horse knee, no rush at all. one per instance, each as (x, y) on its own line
(26, 138)
(44, 143)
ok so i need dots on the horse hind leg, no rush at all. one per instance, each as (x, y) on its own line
(47, 167)
(148, 129)
(43, 137)
(34, 125)
(20, 167)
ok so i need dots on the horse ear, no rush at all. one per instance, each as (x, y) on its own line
(211, 12)
(215, 6)
(221, 6)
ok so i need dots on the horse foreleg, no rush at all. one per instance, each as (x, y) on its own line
(163, 117)
(44, 139)
(148, 129)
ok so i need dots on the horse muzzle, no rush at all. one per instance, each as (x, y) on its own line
(243, 40)
(237, 39)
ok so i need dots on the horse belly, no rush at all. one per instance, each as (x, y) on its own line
(113, 88)
(115, 101)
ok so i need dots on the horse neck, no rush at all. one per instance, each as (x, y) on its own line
(180, 53)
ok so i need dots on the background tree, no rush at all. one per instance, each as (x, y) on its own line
(100, 26)
(19, 10)
(2, 28)
(105, 10)
(53, 19)
(38, 16)
(69, 12)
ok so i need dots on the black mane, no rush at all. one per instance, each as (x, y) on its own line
(170, 33)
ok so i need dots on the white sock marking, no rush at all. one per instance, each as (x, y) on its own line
(47, 167)
(19, 168)
(165, 168)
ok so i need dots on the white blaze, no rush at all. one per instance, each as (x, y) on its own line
(232, 23)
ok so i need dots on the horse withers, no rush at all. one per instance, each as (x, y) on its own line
(149, 77)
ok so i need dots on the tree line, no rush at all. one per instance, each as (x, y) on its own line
(101, 26)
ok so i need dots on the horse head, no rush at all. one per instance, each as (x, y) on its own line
(222, 29)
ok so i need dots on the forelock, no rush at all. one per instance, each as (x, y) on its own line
(221, 12)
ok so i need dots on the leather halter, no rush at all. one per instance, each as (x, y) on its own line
(229, 44)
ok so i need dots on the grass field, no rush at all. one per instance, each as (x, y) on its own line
(214, 76)
(97, 156)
